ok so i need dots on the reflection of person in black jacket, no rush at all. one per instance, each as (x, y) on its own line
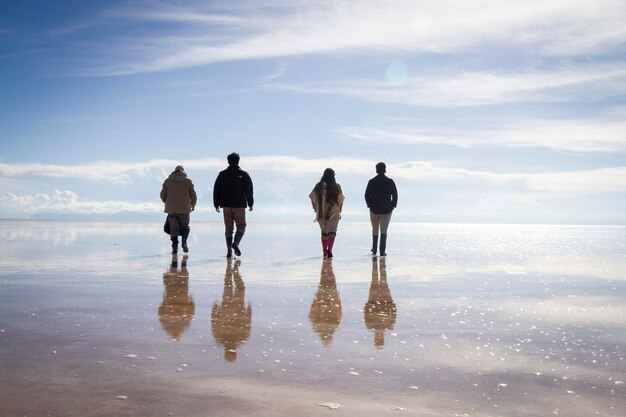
(381, 196)
(233, 193)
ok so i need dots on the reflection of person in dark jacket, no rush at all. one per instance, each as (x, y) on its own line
(177, 308)
(381, 196)
(380, 310)
(233, 192)
(231, 320)
(326, 313)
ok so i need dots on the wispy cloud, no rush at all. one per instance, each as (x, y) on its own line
(566, 84)
(602, 134)
(277, 29)
(567, 182)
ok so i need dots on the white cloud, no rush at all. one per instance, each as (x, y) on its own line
(602, 134)
(68, 202)
(571, 83)
(276, 29)
(567, 182)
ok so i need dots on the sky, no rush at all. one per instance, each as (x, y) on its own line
(485, 111)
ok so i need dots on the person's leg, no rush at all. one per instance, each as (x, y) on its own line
(172, 219)
(322, 224)
(331, 228)
(228, 229)
(384, 225)
(239, 216)
(375, 220)
(183, 221)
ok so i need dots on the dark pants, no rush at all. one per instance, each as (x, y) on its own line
(179, 225)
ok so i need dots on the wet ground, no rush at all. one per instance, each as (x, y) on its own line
(98, 319)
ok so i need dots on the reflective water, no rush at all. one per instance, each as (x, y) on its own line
(98, 319)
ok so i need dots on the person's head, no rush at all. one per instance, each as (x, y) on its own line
(381, 168)
(179, 168)
(328, 176)
(233, 159)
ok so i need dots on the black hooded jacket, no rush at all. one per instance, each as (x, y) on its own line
(233, 188)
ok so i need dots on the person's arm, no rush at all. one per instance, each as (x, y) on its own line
(249, 191)
(340, 198)
(217, 191)
(193, 197)
(164, 193)
(394, 194)
(368, 194)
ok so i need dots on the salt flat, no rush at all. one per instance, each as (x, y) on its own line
(98, 319)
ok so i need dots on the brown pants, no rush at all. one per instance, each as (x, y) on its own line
(234, 216)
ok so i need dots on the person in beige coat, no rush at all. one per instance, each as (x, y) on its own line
(180, 198)
(327, 200)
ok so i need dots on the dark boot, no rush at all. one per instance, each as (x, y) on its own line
(185, 235)
(383, 245)
(174, 245)
(374, 244)
(229, 244)
(238, 236)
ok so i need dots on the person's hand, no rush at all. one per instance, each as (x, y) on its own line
(217, 209)
(250, 209)
(193, 208)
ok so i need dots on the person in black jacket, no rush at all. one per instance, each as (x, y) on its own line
(381, 196)
(233, 193)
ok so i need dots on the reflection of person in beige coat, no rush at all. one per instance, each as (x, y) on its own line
(325, 314)
(231, 321)
(177, 308)
(327, 200)
(380, 310)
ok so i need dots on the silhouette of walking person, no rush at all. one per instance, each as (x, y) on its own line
(233, 192)
(326, 313)
(381, 196)
(231, 320)
(327, 200)
(177, 308)
(380, 310)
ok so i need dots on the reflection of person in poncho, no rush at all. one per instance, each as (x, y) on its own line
(177, 308)
(231, 320)
(380, 310)
(325, 314)
(327, 200)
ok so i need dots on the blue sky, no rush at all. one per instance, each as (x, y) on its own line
(484, 111)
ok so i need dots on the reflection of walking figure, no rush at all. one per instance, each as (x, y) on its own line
(327, 199)
(180, 199)
(233, 192)
(381, 197)
(231, 320)
(177, 308)
(380, 310)
(325, 314)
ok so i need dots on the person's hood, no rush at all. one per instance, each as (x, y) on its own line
(178, 176)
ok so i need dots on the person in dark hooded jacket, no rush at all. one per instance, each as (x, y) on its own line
(180, 198)
(233, 192)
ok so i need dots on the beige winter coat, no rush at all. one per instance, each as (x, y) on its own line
(178, 194)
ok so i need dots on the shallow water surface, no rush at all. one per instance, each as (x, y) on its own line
(99, 319)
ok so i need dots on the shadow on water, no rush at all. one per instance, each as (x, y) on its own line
(326, 313)
(380, 310)
(177, 308)
(231, 320)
